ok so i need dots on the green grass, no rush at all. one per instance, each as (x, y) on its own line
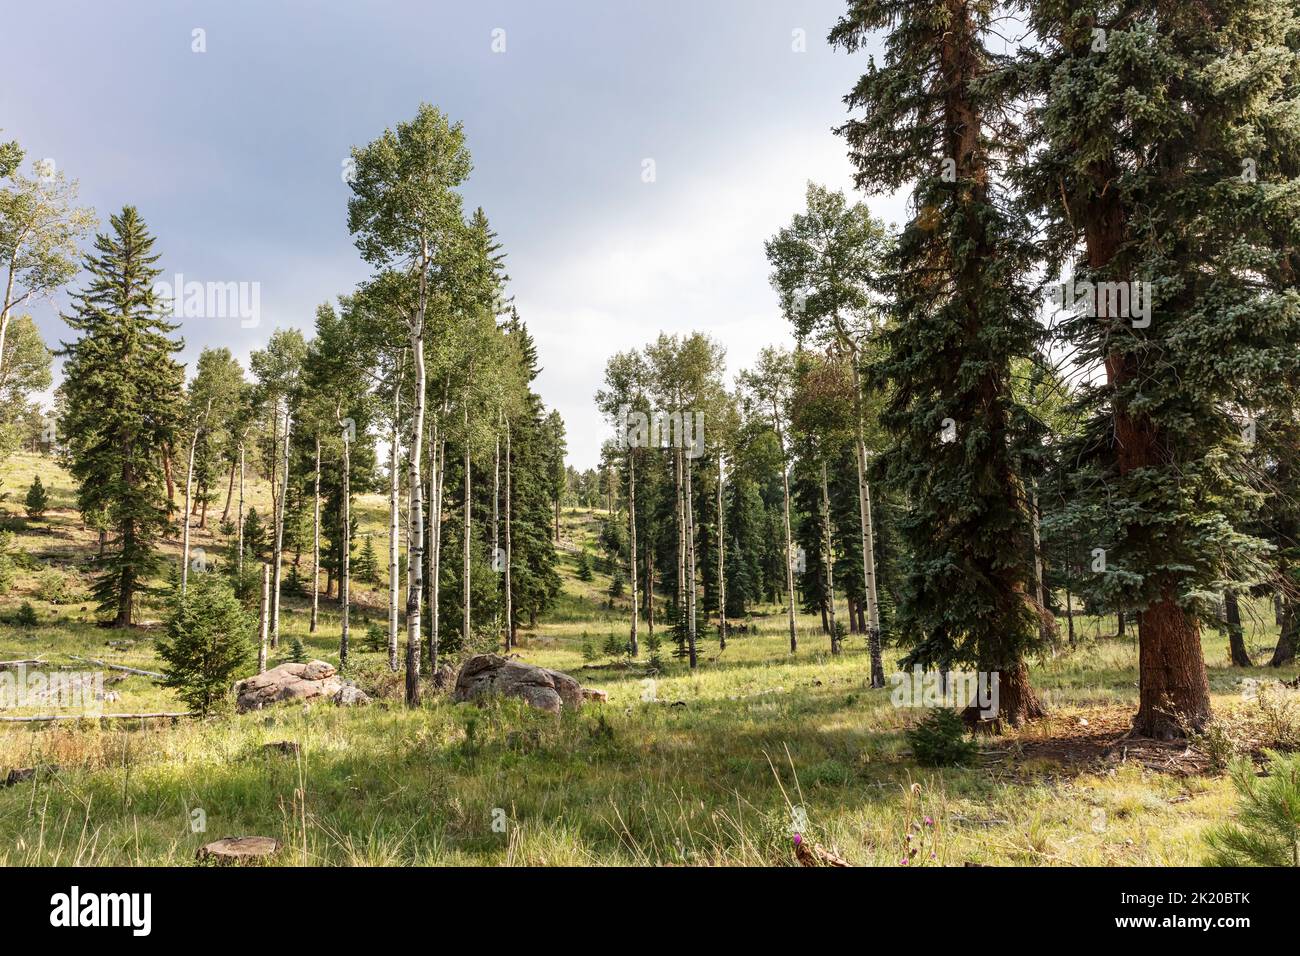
(710, 767)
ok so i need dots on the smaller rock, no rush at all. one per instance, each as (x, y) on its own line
(318, 670)
(247, 849)
(351, 696)
(289, 747)
(591, 693)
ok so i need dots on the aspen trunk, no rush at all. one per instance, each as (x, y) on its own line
(315, 544)
(868, 537)
(633, 644)
(690, 539)
(789, 543)
(415, 551)
(264, 620)
(394, 545)
(345, 556)
(496, 519)
(465, 579)
(279, 534)
(828, 571)
(185, 515)
(722, 571)
(510, 601)
(239, 561)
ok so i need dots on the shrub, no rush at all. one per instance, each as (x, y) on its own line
(208, 640)
(588, 652)
(26, 616)
(376, 638)
(52, 586)
(1266, 831)
(939, 740)
(584, 566)
(37, 500)
(297, 653)
(614, 646)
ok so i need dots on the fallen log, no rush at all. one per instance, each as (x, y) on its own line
(43, 717)
(10, 665)
(117, 667)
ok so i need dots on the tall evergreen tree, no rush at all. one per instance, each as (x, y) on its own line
(934, 113)
(121, 404)
(1169, 156)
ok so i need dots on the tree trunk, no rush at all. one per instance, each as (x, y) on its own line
(789, 542)
(435, 591)
(240, 519)
(496, 518)
(415, 551)
(345, 555)
(167, 476)
(722, 569)
(185, 515)
(279, 533)
(315, 544)
(465, 573)
(690, 540)
(1236, 637)
(264, 619)
(510, 601)
(1285, 651)
(394, 544)
(1035, 529)
(230, 492)
(868, 536)
(1174, 694)
(828, 572)
(631, 521)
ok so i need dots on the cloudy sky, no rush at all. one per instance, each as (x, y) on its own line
(234, 156)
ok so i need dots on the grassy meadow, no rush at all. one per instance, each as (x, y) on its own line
(711, 767)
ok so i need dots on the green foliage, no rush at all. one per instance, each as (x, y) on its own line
(939, 740)
(8, 569)
(297, 652)
(121, 404)
(588, 651)
(1266, 831)
(376, 637)
(617, 584)
(37, 500)
(52, 586)
(207, 642)
(614, 645)
(26, 616)
(584, 566)
(366, 567)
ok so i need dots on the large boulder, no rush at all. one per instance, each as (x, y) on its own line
(487, 675)
(287, 682)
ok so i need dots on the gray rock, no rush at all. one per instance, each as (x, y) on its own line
(289, 681)
(487, 675)
(350, 695)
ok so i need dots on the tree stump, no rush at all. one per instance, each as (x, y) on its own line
(248, 849)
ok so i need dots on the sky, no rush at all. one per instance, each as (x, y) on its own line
(235, 155)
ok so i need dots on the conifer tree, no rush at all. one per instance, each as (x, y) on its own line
(1168, 158)
(933, 112)
(121, 403)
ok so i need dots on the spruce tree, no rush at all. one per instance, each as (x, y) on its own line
(960, 311)
(37, 500)
(1168, 158)
(121, 401)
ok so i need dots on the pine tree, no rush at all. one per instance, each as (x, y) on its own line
(367, 566)
(960, 312)
(121, 401)
(37, 500)
(1168, 158)
(208, 640)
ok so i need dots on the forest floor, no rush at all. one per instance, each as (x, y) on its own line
(715, 766)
